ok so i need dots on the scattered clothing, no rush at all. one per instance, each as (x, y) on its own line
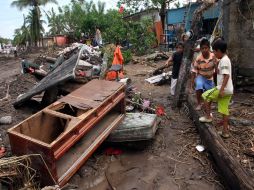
(118, 57)
(160, 111)
(113, 151)
(28, 67)
(117, 60)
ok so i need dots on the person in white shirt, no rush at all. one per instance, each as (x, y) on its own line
(98, 37)
(223, 92)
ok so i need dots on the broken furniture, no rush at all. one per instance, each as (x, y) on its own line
(67, 132)
(135, 127)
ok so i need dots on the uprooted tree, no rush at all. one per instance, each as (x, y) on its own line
(188, 52)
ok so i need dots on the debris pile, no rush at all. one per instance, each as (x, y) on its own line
(17, 172)
(78, 62)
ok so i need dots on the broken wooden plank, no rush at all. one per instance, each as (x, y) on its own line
(62, 73)
(232, 171)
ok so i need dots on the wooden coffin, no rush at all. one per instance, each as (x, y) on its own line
(67, 132)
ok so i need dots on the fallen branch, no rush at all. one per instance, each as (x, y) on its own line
(178, 160)
(197, 158)
(7, 96)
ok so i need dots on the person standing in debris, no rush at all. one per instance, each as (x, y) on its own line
(176, 60)
(223, 92)
(98, 37)
(202, 71)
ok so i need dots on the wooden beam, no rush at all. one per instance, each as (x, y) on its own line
(234, 174)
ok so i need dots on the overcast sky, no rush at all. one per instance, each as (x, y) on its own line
(12, 18)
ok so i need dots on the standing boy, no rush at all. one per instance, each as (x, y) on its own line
(202, 71)
(176, 60)
(223, 92)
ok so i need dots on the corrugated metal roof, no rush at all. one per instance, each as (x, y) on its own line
(176, 16)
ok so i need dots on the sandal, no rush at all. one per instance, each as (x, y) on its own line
(205, 120)
(223, 134)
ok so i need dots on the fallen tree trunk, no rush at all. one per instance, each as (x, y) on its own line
(188, 51)
(234, 174)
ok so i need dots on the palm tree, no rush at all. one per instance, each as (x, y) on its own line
(35, 24)
(100, 8)
(88, 6)
(55, 22)
(22, 4)
(22, 35)
(34, 15)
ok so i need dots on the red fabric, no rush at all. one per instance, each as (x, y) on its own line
(160, 111)
(81, 73)
(111, 75)
(30, 70)
(118, 57)
(2, 152)
(113, 151)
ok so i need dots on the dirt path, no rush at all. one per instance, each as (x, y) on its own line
(9, 67)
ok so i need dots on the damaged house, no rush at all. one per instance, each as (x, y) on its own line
(238, 21)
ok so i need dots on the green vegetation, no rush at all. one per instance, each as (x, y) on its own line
(32, 28)
(4, 40)
(82, 17)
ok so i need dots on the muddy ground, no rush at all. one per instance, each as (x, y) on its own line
(169, 161)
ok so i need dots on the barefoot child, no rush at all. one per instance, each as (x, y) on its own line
(176, 60)
(203, 70)
(223, 92)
